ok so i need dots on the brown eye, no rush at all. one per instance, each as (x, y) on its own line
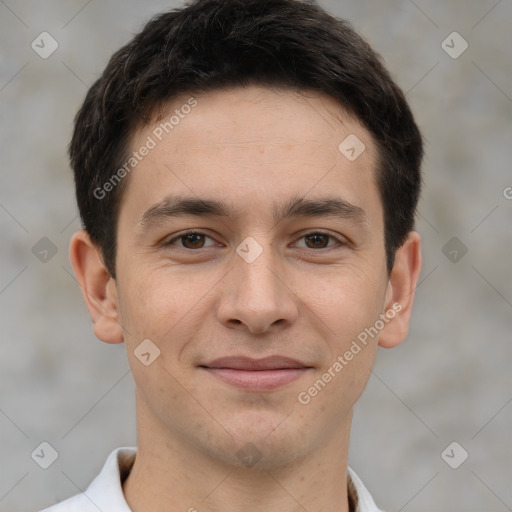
(317, 240)
(192, 240)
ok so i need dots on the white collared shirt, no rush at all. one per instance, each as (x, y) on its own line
(105, 492)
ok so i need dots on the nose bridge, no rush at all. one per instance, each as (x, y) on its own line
(256, 267)
(257, 296)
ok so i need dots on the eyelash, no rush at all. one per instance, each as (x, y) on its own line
(170, 243)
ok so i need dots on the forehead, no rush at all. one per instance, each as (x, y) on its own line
(255, 146)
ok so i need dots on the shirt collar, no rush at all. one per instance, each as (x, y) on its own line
(106, 492)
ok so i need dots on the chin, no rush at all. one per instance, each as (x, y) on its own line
(260, 455)
(265, 446)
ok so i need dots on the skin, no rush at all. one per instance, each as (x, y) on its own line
(298, 299)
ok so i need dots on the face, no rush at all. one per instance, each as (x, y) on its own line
(245, 233)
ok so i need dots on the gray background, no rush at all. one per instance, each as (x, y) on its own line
(451, 379)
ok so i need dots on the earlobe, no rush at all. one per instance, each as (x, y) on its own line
(401, 290)
(98, 288)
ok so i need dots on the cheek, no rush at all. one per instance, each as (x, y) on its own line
(349, 307)
(347, 301)
(149, 307)
(158, 303)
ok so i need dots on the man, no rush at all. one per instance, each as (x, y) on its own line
(247, 175)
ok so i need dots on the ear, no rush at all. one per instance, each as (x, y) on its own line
(98, 287)
(401, 289)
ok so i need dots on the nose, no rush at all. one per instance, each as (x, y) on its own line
(256, 295)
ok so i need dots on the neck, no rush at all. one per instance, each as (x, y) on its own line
(170, 473)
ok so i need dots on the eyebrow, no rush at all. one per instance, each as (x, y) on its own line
(173, 206)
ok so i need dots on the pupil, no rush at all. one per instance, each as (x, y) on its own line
(318, 239)
(193, 239)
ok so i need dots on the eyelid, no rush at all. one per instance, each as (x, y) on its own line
(341, 241)
(168, 242)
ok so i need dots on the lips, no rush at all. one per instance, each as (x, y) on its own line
(256, 374)
(247, 363)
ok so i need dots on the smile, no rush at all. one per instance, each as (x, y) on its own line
(256, 374)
